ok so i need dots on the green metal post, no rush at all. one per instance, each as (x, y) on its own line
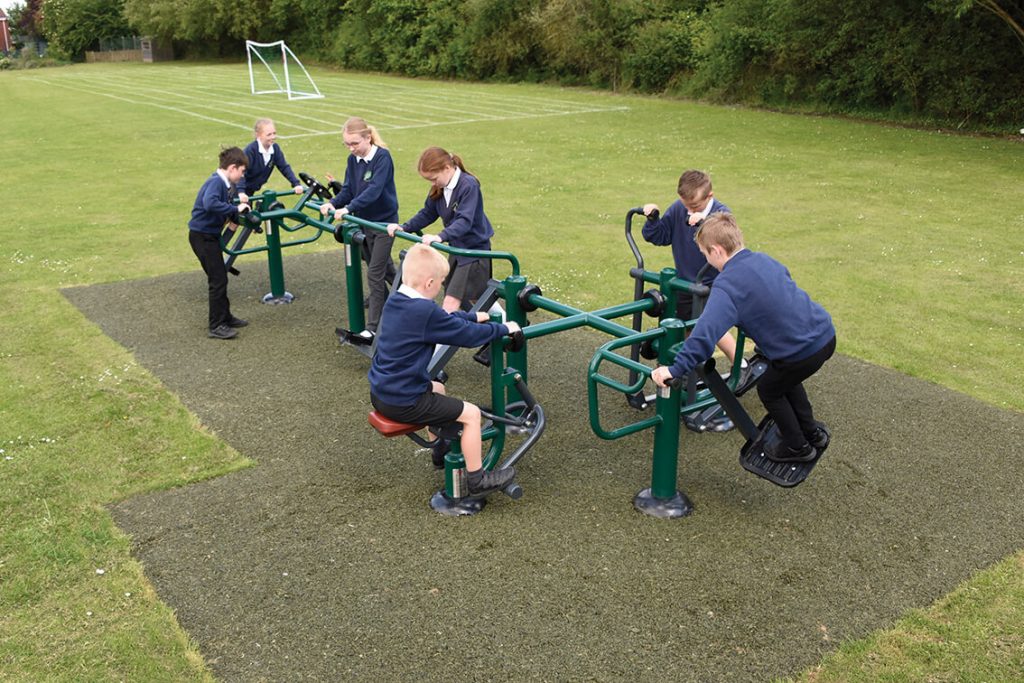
(354, 280)
(455, 472)
(275, 264)
(514, 311)
(666, 275)
(663, 499)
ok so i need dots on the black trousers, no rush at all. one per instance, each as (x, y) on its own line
(206, 247)
(380, 270)
(782, 392)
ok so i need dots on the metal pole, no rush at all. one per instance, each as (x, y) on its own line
(663, 499)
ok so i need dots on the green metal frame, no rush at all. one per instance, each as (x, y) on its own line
(662, 498)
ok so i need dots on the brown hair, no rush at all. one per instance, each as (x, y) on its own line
(358, 126)
(720, 228)
(435, 160)
(232, 156)
(693, 184)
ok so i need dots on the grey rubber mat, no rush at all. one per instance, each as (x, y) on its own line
(324, 561)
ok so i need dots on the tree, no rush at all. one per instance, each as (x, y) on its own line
(74, 26)
(27, 19)
(1008, 11)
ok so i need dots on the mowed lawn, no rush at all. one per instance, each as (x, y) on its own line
(912, 239)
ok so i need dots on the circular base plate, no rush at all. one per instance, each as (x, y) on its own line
(667, 508)
(285, 298)
(441, 502)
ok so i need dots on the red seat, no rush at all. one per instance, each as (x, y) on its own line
(390, 428)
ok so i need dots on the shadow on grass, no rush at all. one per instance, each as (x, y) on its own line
(324, 561)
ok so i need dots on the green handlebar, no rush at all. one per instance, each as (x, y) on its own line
(605, 353)
(475, 253)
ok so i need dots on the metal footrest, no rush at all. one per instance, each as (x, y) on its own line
(753, 459)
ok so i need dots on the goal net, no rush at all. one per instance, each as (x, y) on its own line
(274, 68)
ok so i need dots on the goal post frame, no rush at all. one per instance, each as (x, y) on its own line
(253, 47)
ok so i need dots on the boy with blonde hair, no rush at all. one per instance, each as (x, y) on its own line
(411, 325)
(795, 334)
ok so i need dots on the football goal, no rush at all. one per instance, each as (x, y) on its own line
(274, 68)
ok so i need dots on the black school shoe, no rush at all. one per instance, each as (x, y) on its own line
(482, 482)
(223, 332)
(783, 453)
(819, 438)
(236, 322)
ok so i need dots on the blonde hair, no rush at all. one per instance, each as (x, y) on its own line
(358, 126)
(693, 185)
(260, 123)
(422, 263)
(720, 228)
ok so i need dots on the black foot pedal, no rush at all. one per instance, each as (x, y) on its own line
(483, 356)
(755, 368)
(753, 459)
(350, 337)
(711, 419)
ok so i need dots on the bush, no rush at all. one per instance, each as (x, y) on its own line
(661, 53)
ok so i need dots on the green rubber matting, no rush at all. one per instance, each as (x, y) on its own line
(324, 562)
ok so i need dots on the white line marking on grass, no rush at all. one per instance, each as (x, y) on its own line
(143, 92)
(462, 121)
(393, 94)
(145, 104)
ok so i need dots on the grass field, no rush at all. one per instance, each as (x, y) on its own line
(912, 239)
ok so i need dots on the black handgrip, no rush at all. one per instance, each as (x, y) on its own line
(517, 341)
(524, 391)
(313, 184)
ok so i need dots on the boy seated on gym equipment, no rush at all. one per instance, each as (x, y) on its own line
(411, 325)
(796, 335)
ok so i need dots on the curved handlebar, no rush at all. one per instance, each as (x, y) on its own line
(629, 235)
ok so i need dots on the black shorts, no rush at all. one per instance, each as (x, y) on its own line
(429, 409)
(684, 306)
(468, 281)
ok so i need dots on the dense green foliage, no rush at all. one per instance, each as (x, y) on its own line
(74, 26)
(955, 62)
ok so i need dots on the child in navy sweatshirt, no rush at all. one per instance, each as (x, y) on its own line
(369, 193)
(796, 335)
(455, 198)
(677, 228)
(401, 389)
(264, 155)
(211, 211)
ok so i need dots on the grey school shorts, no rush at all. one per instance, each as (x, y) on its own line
(468, 281)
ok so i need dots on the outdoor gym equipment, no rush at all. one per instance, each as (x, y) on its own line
(514, 408)
(713, 418)
(523, 417)
(271, 217)
(760, 439)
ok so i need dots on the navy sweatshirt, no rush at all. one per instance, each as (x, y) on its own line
(674, 228)
(369, 188)
(212, 207)
(757, 293)
(257, 173)
(410, 327)
(465, 224)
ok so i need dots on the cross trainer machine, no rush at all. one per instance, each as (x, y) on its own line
(515, 410)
